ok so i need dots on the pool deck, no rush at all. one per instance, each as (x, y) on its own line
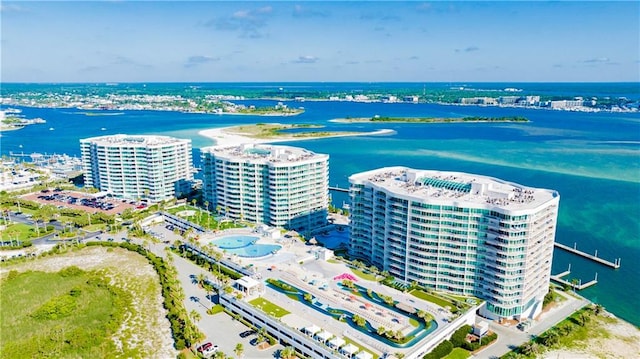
(295, 264)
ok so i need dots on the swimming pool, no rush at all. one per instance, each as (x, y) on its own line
(245, 246)
(233, 242)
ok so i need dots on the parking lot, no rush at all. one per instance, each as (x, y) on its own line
(82, 201)
(221, 329)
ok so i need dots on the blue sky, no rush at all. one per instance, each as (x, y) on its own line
(145, 41)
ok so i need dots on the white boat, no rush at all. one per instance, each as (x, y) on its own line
(103, 129)
(51, 128)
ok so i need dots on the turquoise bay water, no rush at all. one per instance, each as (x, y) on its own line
(592, 159)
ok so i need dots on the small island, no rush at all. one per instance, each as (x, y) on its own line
(432, 119)
(12, 123)
(276, 131)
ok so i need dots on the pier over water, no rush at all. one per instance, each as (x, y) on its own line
(594, 257)
(338, 189)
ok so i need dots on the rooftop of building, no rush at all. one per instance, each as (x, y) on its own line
(456, 187)
(264, 153)
(133, 140)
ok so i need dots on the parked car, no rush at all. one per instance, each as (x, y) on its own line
(246, 333)
(207, 349)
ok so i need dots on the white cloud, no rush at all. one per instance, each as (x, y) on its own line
(305, 60)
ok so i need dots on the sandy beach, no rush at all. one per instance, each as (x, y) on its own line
(225, 136)
(611, 338)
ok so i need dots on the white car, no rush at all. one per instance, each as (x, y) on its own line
(207, 349)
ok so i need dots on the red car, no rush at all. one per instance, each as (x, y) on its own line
(207, 349)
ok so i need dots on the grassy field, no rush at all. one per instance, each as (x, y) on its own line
(458, 353)
(20, 231)
(431, 298)
(363, 275)
(46, 314)
(65, 314)
(268, 307)
(203, 218)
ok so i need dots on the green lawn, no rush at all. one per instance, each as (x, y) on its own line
(21, 232)
(458, 353)
(58, 315)
(95, 227)
(414, 322)
(431, 298)
(363, 275)
(203, 218)
(268, 307)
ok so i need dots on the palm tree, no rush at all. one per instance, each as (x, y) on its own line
(195, 316)
(551, 338)
(239, 349)
(47, 212)
(206, 205)
(219, 355)
(381, 330)
(398, 334)
(5, 213)
(373, 269)
(598, 309)
(565, 329)
(36, 217)
(261, 335)
(287, 352)
(583, 319)
(202, 278)
(529, 348)
(574, 283)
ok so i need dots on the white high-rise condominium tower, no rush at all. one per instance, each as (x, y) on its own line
(280, 186)
(456, 232)
(154, 168)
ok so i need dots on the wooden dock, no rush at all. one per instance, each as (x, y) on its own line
(575, 286)
(594, 257)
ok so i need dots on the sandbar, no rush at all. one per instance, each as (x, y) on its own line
(231, 136)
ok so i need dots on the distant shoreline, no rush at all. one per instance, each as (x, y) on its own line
(233, 136)
(429, 119)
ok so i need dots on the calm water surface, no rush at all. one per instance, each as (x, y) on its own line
(592, 159)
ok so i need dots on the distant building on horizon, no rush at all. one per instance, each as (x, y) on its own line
(566, 104)
(154, 168)
(280, 186)
(461, 233)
